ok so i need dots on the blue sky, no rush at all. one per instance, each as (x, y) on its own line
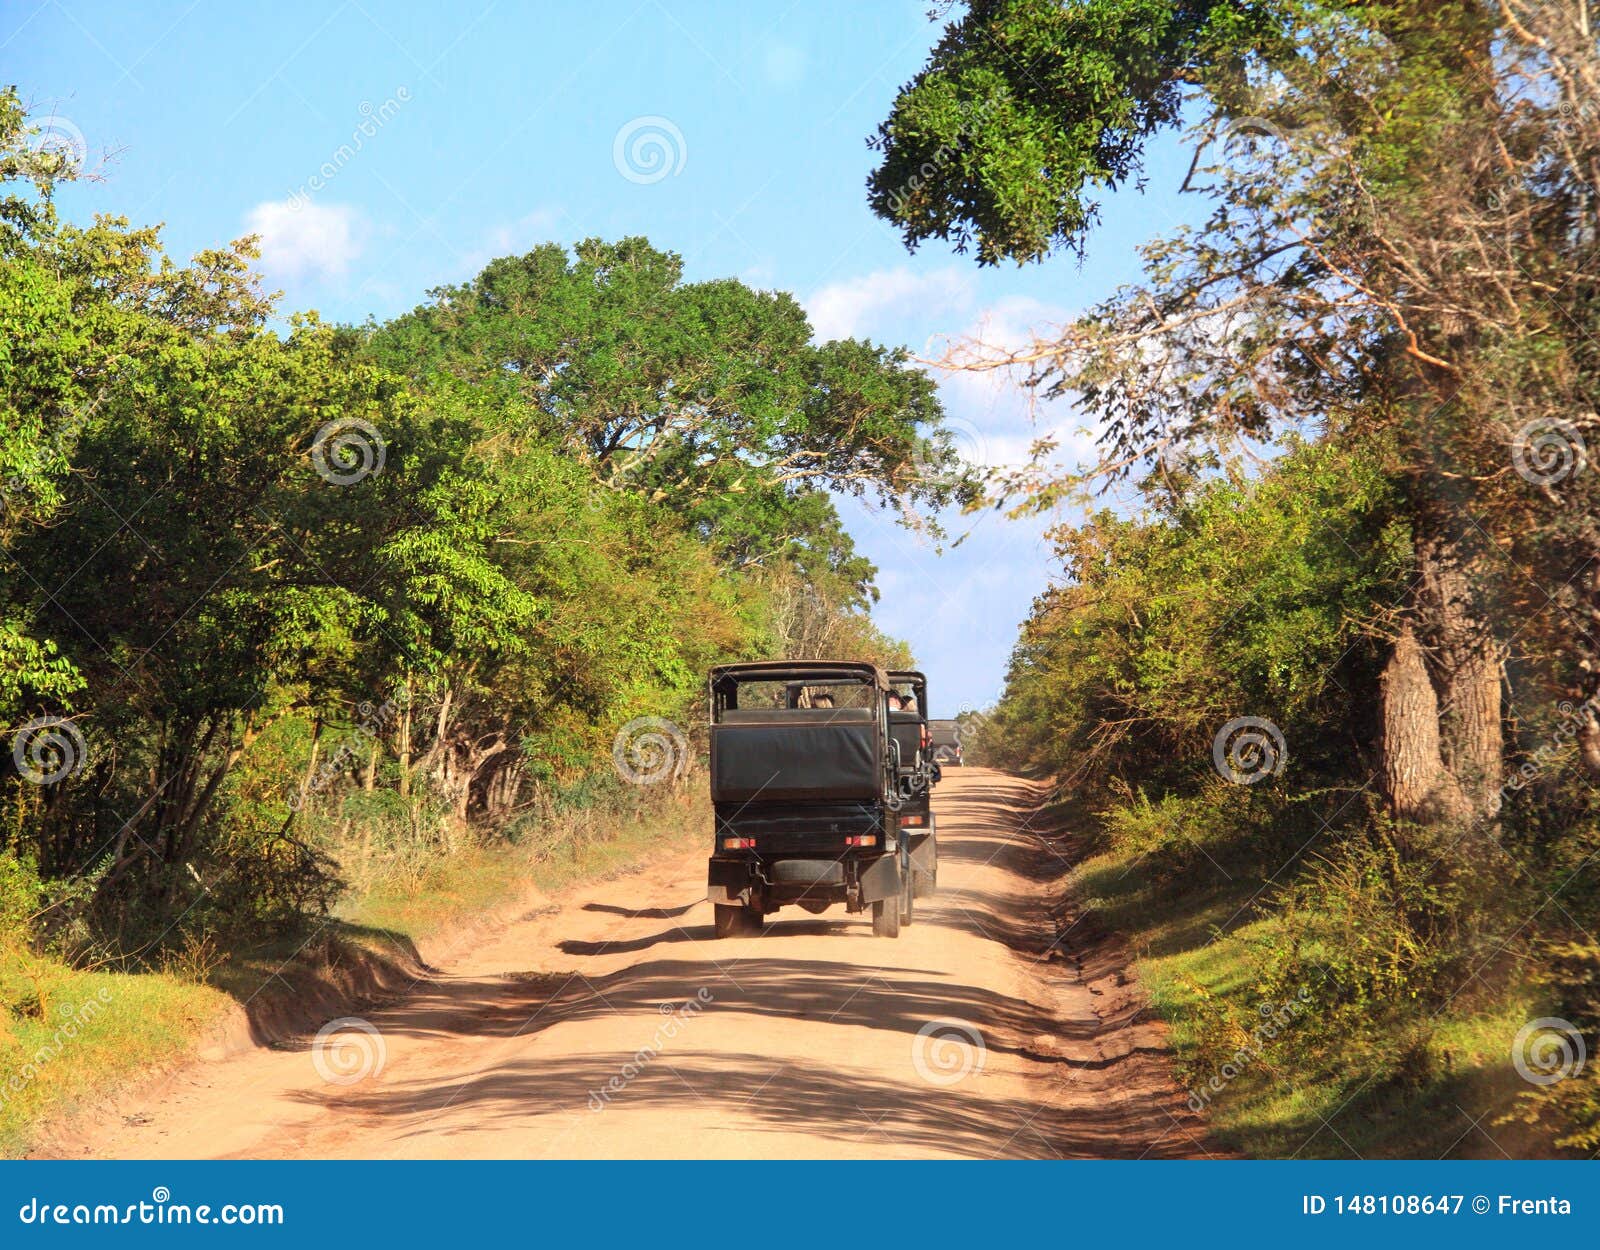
(733, 134)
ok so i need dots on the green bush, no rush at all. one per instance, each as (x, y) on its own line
(1176, 832)
(1570, 1106)
(21, 896)
(1375, 939)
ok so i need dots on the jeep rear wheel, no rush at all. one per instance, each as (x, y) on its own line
(886, 918)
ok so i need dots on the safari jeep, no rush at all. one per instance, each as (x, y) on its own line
(946, 741)
(919, 773)
(805, 782)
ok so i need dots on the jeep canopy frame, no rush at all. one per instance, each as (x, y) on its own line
(726, 679)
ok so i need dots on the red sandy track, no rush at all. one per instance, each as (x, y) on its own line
(567, 1034)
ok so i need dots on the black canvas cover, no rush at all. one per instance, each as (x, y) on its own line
(789, 758)
(946, 733)
(906, 729)
(797, 716)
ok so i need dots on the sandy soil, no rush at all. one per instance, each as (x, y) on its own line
(615, 1026)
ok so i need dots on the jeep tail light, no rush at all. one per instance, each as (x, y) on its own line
(862, 839)
(738, 844)
(913, 822)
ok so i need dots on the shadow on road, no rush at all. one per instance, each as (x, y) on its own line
(829, 1101)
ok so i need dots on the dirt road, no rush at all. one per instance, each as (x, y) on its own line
(614, 1026)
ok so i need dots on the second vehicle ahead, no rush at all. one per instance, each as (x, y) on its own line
(919, 772)
(946, 736)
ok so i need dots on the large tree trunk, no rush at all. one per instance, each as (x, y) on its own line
(1443, 739)
(1589, 744)
(403, 750)
(1580, 603)
(1416, 782)
(1465, 663)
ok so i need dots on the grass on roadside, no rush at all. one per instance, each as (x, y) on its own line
(1194, 936)
(68, 1036)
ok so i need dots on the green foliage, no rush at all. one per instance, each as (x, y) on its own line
(1570, 1107)
(330, 605)
(21, 894)
(1375, 939)
(1027, 108)
(674, 387)
(1395, 259)
(1230, 598)
(1177, 834)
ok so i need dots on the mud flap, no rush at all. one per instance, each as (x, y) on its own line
(925, 861)
(729, 882)
(881, 879)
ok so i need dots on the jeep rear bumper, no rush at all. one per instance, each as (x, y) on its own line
(766, 883)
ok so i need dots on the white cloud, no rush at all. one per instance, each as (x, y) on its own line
(871, 303)
(515, 238)
(1003, 417)
(301, 238)
(993, 419)
(1006, 326)
(959, 608)
(761, 276)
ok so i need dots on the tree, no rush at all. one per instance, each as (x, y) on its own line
(673, 386)
(260, 570)
(624, 612)
(1397, 243)
(1026, 108)
(1226, 596)
(48, 371)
